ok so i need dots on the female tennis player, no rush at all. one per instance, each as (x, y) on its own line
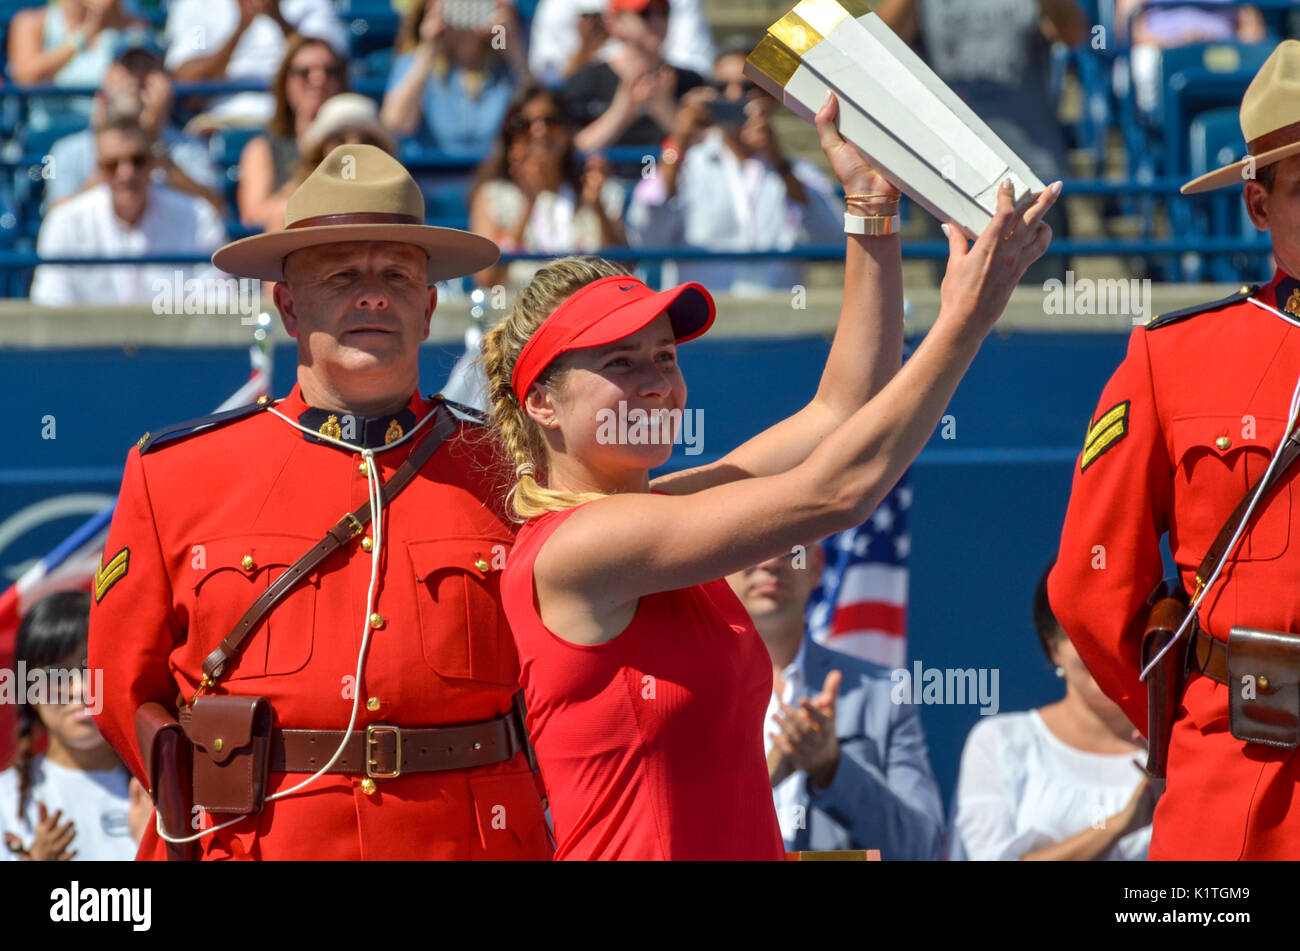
(645, 681)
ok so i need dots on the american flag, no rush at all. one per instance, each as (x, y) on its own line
(861, 606)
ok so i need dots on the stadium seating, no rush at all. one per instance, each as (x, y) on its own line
(1216, 140)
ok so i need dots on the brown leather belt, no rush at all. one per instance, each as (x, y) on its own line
(385, 751)
(1211, 656)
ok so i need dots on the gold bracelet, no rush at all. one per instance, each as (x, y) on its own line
(875, 203)
(870, 195)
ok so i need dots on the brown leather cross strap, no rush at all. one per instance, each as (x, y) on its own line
(1288, 454)
(384, 751)
(1211, 655)
(346, 528)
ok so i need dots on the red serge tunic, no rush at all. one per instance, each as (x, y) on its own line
(650, 745)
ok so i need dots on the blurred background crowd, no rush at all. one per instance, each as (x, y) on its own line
(558, 126)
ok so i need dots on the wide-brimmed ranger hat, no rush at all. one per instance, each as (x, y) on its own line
(606, 310)
(1270, 119)
(358, 193)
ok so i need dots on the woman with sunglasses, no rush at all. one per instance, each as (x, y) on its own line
(310, 73)
(531, 193)
(72, 801)
(646, 683)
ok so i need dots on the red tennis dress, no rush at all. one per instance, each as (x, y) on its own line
(650, 745)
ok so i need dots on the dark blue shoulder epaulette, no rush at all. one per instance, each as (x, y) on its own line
(1163, 320)
(152, 440)
(461, 411)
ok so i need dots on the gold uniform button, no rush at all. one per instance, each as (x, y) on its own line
(481, 565)
(372, 704)
(263, 400)
(1263, 682)
(368, 786)
(367, 543)
(363, 469)
(247, 563)
(218, 743)
(1223, 442)
(376, 620)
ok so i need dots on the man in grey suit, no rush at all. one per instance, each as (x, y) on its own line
(863, 784)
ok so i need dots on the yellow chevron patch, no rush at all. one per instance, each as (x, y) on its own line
(1110, 428)
(107, 575)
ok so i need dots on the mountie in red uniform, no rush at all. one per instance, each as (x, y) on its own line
(206, 520)
(1185, 427)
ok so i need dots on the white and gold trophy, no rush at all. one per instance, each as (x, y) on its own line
(915, 130)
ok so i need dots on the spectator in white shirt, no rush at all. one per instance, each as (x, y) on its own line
(1061, 782)
(136, 85)
(568, 34)
(723, 182)
(243, 39)
(129, 215)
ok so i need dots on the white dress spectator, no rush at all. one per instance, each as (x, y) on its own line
(96, 800)
(1021, 788)
(85, 225)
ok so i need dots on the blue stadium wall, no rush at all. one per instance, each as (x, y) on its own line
(985, 520)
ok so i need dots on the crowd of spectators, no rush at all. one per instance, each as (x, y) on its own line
(557, 126)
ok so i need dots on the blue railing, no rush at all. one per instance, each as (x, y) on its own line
(1082, 247)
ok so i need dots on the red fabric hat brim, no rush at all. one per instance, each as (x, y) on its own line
(690, 308)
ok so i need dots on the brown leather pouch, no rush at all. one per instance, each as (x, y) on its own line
(232, 747)
(1264, 687)
(166, 754)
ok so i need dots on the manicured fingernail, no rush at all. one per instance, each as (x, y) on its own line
(1055, 187)
(827, 100)
(947, 232)
(1006, 183)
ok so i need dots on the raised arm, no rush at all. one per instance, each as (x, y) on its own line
(865, 352)
(617, 549)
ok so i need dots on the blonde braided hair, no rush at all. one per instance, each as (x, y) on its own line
(517, 437)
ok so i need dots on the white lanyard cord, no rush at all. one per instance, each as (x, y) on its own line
(1194, 607)
(377, 532)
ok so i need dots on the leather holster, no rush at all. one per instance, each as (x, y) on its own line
(231, 736)
(1167, 607)
(167, 761)
(1264, 687)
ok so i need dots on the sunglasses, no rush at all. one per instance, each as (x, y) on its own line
(137, 160)
(331, 72)
(522, 123)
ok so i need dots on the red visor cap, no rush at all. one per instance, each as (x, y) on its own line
(607, 310)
